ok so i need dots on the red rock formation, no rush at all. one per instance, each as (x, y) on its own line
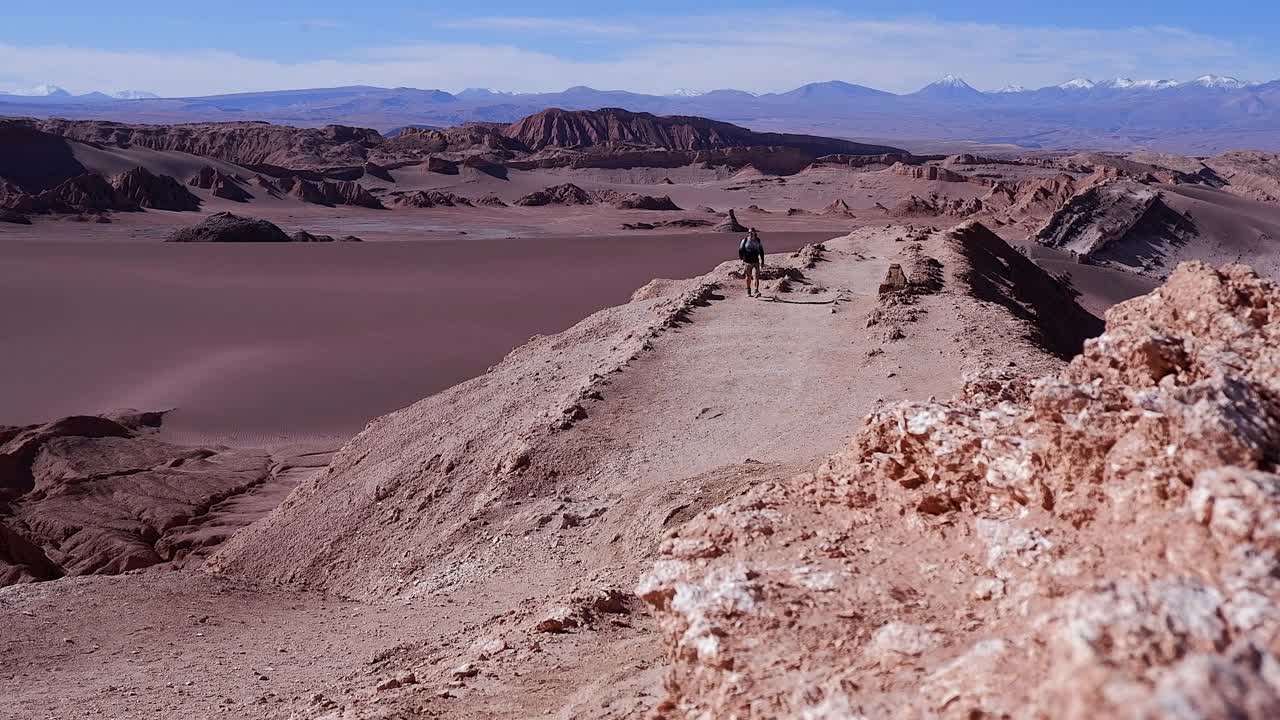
(306, 237)
(635, 201)
(82, 194)
(226, 227)
(1030, 201)
(936, 205)
(880, 160)
(927, 172)
(1100, 542)
(838, 208)
(160, 192)
(442, 166)
(486, 165)
(589, 128)
(222, 185)
(328, 192)
(243, 143)
(566, 194)
(428, 199)
(89, 495)
(377, 171)
(730, 224)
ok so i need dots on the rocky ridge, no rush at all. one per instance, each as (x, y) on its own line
(1098, 542)
(99, 495)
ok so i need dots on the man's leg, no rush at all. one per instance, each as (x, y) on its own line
(746, 273)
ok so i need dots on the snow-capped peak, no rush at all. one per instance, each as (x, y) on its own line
(686, 93)
(134, 95)
(951, 81)
(1124, 83)
(43, 90)
(1219, 81)
(1078, 84)
(1012, 89)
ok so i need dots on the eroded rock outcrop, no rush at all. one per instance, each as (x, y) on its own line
(88, 193)
(243, 143)
(99, 495)
(838, 208)
(1030, 201)
(927, 172)
(222, 184)
(1099, 542)
(936, 205)
(635, 201)
(429, 199)
(588, 128)
(328, 192)
(158, 192)
(566, 194)
(1121, 223)
(730, 224)
(227, 227)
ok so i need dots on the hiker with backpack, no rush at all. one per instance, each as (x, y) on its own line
(751, 252)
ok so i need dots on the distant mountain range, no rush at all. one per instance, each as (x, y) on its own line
(52, 93)
(1205, 115)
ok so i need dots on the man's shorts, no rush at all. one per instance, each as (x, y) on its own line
(750, 270)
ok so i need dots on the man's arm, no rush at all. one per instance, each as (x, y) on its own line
(761, 253)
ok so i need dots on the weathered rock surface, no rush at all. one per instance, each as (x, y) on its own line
(1030, 201)
(222, 184)
(1116, 222)
(636, 201)
(588, 128)
(226, 227)
(158, 192)
(926, 172)
(304, 236)
(429, 199)
(934, 205)
(839, 208)
(243, 143)
(95, 495)
(1250, 174)
(88, 193)
(566, 194)
(1100, 542)
(328, 192)
(730, 224)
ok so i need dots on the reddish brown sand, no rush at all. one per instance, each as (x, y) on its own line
(258, 344)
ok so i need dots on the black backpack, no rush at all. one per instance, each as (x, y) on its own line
(749, 249)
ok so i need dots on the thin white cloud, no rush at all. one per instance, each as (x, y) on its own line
(555, 26)
(756, 53)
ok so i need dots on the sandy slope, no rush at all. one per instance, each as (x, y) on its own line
(257, 344)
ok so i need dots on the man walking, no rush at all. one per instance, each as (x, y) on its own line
(751, 252)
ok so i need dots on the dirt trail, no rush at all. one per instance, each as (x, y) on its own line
(739, 391)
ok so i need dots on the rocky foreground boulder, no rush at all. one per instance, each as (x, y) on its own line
(227, 227)
(1102, 542)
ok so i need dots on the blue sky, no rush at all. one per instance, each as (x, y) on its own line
(183, 48)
